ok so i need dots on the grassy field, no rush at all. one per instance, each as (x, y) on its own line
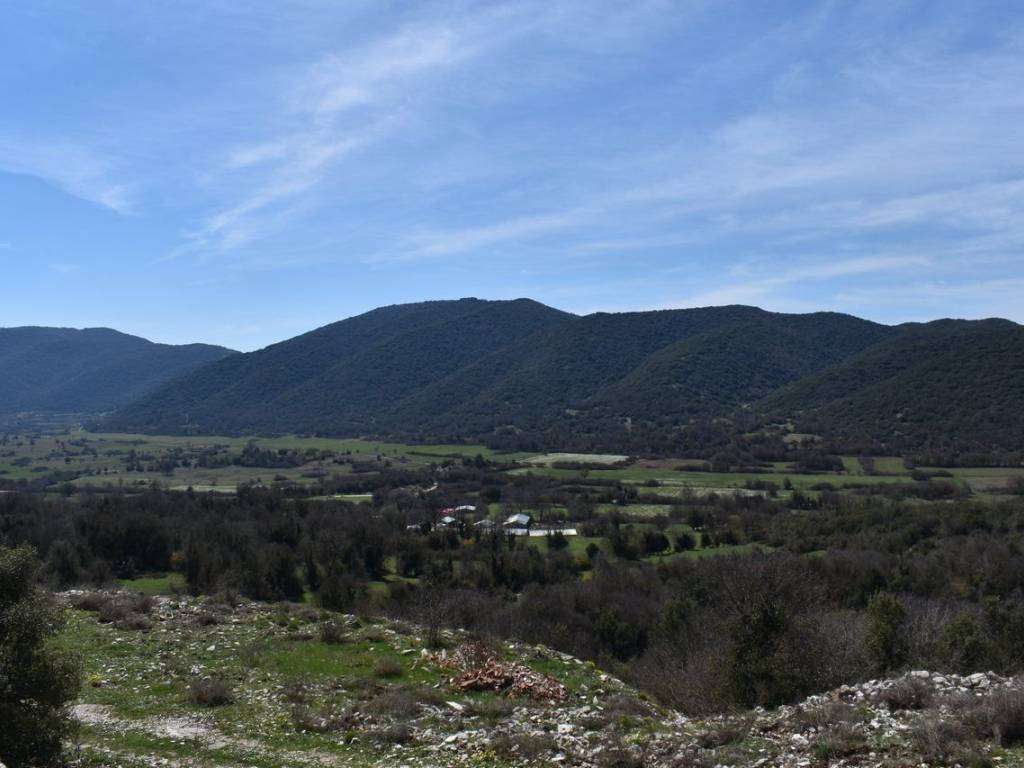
(100, 459)
(177, 462)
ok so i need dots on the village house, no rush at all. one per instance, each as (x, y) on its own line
(518, 524)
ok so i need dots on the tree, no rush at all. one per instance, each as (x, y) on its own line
(886, 639)
(37, 680)
(557, 541)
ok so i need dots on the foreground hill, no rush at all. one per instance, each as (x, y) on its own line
(952, 379)
(65, 370)
(177, 681)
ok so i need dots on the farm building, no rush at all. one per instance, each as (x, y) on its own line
(518, 521)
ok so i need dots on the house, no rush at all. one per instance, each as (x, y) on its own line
(518, 522)
(465, 508)
(446, 522)
(552, 531)
(485, 525)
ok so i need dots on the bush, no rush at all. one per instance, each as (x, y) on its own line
(324, 721)
(837, 742)
(523, 746)
(333, 632)
(908, 693)
(402, 701)
(211, 692)
(729, 732)
(943, 742)
(1007, 717)
(37, 681)
(396, 733)
(388, 668)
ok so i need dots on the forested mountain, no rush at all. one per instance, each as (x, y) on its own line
(945, 382)
(64, 370)
(480, 369)
(346, 377)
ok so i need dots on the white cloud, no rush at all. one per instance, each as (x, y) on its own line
(70, 167)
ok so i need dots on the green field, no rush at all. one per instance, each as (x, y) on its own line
(104, 460)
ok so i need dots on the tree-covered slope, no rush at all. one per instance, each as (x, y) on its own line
(341, 378)
(470, 367)
(64, 370)
(467, 368)
(940, 383)
(639, 365)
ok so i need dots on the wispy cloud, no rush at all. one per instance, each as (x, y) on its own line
(346, 102)
(70, 167)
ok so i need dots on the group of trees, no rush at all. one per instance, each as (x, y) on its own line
(845, 586)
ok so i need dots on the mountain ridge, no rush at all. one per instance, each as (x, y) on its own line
(87, 370)
(473, 368)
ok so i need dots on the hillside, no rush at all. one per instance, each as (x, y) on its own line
(177, 681)
(939, 383)
(471, 366)
(342, 378)
(65, 370)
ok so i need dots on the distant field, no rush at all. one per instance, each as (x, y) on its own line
(576, 458)
(102, 459)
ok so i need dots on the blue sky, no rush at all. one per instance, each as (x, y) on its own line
(196, 171)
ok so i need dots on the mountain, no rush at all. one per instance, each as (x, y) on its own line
(469, 367)
(948, 381)
(344, 378)
(65, 370)
(653, 366)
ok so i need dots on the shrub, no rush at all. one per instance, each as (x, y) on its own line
(728, 732)
(38, 680)
(491, 709)
(833, 713)
(211, 692)
(333, 632)
(396, 733)
(524, 745)
(942, 741)
(323, 721)
(296, 692)
(837, 742)
(1007, 717)
(907, 693)
(388, 668)
(620, 757)
(402, 701)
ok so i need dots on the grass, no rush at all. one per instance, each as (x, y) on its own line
(232, 688)
(156, 584)
(101, 459)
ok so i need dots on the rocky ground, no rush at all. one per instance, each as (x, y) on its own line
(183, 682)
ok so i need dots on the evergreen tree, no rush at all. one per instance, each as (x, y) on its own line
(36, 679)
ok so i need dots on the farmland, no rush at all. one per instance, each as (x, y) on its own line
(106, 461)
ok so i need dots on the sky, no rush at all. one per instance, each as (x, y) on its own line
(239, 173)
